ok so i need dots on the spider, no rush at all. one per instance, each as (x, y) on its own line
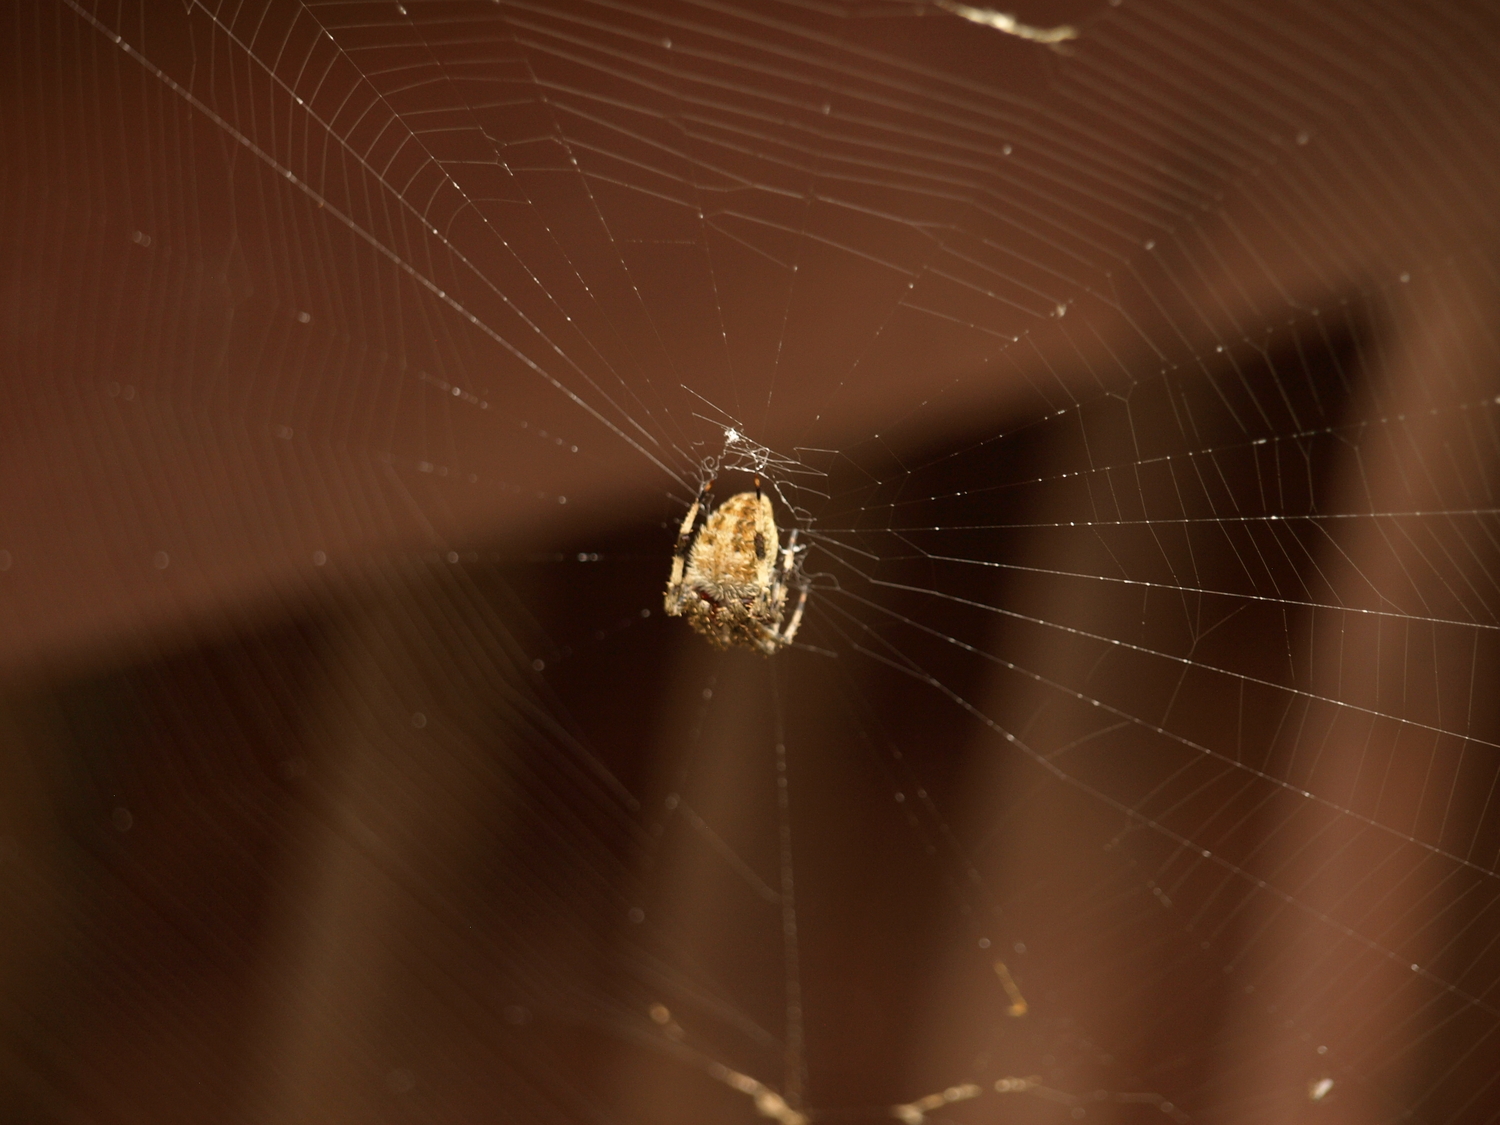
(729, 573)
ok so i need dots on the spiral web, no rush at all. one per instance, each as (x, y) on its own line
(1134, 391)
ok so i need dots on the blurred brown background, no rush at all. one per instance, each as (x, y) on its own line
(361, 359)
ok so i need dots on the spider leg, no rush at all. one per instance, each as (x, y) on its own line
(784, 566)
(695, 518)
(692, 523)
(795, 623)
(788, 554)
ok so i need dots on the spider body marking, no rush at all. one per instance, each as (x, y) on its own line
(729, 573)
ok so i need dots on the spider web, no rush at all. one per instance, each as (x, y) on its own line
(1137, 403)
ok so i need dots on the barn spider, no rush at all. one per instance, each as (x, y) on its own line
(729, 573)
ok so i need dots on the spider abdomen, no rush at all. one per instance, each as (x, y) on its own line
(730, 585)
